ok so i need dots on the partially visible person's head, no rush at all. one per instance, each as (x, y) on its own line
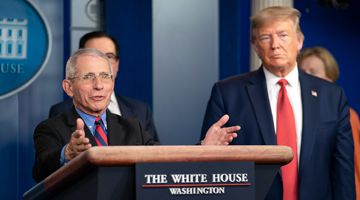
(319, 62)
(105, 43)
(277, 38)
(89, 81)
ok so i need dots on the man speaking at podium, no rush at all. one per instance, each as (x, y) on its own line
(89, 81)
(280, 104)
(121, 105)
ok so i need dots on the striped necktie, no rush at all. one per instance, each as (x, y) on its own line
(100, 133)
(286, 135)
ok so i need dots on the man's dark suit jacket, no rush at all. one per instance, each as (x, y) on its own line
(129, 108)
(326, 168)
(53, 134)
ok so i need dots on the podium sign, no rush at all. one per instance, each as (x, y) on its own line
(195, 180)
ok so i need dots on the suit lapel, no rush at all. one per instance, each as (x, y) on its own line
(310, 102)
(115, 129)
(126, 111)
(258, 95)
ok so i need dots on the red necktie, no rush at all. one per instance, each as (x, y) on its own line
(286, 135)
(100, 133)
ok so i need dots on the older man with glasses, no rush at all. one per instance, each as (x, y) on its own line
(90, 82)
(120, 105)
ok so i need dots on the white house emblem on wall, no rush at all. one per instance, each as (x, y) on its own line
(25, 45)
(13, 38)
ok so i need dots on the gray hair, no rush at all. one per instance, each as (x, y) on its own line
(275, 13)
(72, 61)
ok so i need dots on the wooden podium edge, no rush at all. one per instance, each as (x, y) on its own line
(129, 155)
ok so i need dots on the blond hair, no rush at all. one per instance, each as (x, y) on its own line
(275, 13)
(331, 66)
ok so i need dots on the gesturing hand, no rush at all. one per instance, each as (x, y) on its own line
(218, 135)
(78, 142)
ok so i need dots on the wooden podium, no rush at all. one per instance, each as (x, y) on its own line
(109, 172)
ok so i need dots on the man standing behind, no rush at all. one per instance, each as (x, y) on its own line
(120, 105)
(89, 81)
(280, 104)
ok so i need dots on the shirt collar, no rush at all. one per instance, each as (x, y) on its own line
(90, 119)
(113, 97)
(292, 77)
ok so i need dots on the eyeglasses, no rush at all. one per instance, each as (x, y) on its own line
(90, 77)
(112, 57)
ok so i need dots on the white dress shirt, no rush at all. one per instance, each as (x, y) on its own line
(113, 105)
(294, 95)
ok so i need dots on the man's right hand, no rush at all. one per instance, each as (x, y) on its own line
(78, 142)
(219, 135)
